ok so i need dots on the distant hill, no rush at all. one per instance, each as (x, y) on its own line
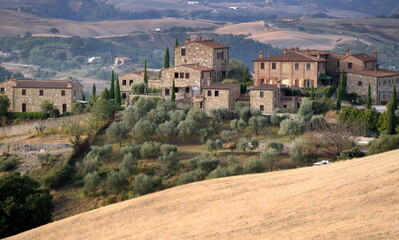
(241, 11)
(354, 199)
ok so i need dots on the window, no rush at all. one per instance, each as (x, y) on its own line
(123, 82)
(261, 94)
(176, 75)
(220, 55)
(2, 90)
(262, 65)
(187, 75)
(209, 93)
(338, 63)
(62, 92)
(130, 82)
(167, 91)
(23, 91)
(349, 65)
(181, 75)
(216, 93)
(308, 66)
(262, 108)
(307, 83)
(187, 89)
(183, 52)
(296, 66)
(41, 92)
(23, 107)
(64, 108)
(273, 65)
(123, 95)
(74, 93)
(385, 82)
(176, 89)
(262, 81)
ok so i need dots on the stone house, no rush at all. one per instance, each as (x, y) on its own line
(126, 80)
(122, 61)
(28, 95)
(264, 98)
(220, 95)
(381, 84)
(206, 53)
(293, 69)
(358, 61)
(190, 79)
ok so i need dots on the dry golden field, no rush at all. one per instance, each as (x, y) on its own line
(279, 37)
(354, 199)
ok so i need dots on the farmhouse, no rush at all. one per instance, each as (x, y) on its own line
(28, 95)
(126, 80)
(220, 95)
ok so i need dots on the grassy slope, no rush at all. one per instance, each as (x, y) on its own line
(356, 199)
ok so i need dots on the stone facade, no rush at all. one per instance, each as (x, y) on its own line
(219, 95)
(190, 79)
(126, 81)
(357, 62)
(381, 84)
(28, 95)
(206, 53)
(293, 69)
(264, 98)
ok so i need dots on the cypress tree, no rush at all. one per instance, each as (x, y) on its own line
(341, 90)
(145, 75)
(391, 107)
(93, 93)
(166, 58)
(105, 94)
(118, 98)
(112, 87)
(369, 98)
(173, 96)
(312, 93)
(177, 42)
(395, 104)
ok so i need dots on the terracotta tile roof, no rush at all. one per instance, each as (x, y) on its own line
(264, 87)
(207, 43)
(291, 57)
(150, 74)
(42, 83)
(375, 73)
(195, 66)
(362, 57)
(321, 52)
(222, 86)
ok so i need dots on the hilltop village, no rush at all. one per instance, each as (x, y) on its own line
(201, 65)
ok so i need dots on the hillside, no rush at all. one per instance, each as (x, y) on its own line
(355, 199)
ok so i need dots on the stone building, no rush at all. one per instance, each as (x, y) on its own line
(28, 95)
(206, 53)
(220, 95)
(264, 98)
(381, 83)
(358, 61)
(293, 68)
(126, 80)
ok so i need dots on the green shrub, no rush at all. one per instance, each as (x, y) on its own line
(91, 182)
(191, 176)
(383, 144)
(150, 149)
(138, 88)
(60, 177)
(235, 169)
(100, 151)
(254, 165)
(166, 149)
(219, 172)
(46, 158)
(133, 149)
(301, 153)
(169, 160)
(143, 184)
(23, 116)
(115, 181)
(205, 162)
(351, 153)
(128, 165)
(276, 145)
(89, 164)
(8, 163)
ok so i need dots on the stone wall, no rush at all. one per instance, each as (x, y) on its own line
(8, 91)
(269, 101)
(195, 53)
(357, 64)
(226, 98)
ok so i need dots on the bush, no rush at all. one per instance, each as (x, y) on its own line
(166, 149)
(91, 182)
(150, 149)
(169, 160)
(219, 172)
(144, 128)
(254, 165)
(23, 204)
(383, 144)
(89, 164)
(276, 119)
(247, 146)
(133, 149)
(115, 181)
(276, 145)
(100, 151)
(318, 122)
(46, 158)
(8, 163)
(302, 153)
(23, 116)
(291, 127)
(49, 108)
(143, 184)
(205, 162)
(138, 88)
(191, 176)
(235, 169)
(60, 177)
(128, 165)
(227, 135)
(270, 158)
(351, 153)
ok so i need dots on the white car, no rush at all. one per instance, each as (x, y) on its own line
(321, 163)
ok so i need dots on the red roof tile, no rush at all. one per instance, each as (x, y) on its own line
(42, 83)
(291, 57)
(207, 43)
(264, 87)
(362, 57)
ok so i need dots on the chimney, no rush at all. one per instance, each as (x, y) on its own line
(347, 52)
(208, 81)
(292, 49)
(260, 54)
(285, 50)
(297, 49)
(375, 53)
(187, 40)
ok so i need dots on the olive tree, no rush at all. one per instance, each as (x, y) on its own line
(118, 131)
(291, 127)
